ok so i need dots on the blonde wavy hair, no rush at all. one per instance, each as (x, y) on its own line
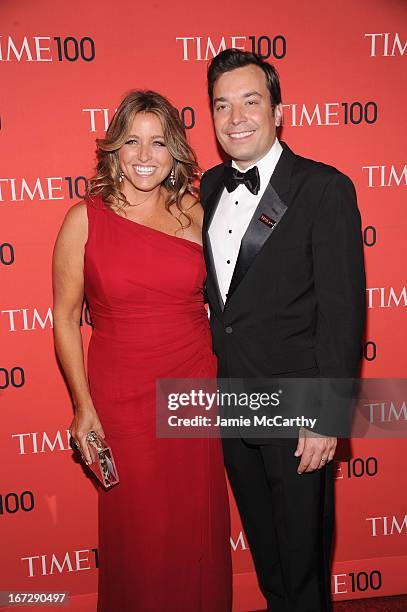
(106, 181)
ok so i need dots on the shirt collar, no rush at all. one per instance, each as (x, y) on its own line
(266, 165)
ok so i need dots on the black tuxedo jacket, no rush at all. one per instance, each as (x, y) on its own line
(296, 301)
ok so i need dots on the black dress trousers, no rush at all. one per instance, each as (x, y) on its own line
(288, 520)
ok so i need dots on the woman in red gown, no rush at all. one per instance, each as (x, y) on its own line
(133, 248)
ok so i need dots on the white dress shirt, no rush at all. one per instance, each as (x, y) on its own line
(233, 215)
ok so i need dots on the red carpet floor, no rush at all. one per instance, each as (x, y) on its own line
(376, 604)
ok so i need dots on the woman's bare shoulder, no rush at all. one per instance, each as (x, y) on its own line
(77, 213)
(76, 221)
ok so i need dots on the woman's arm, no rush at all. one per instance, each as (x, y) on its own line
(68, 289)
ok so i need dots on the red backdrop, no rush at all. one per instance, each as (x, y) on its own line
(64, 67)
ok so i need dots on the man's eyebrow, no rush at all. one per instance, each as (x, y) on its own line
(252, 93)
(220, 99)
(245, 95)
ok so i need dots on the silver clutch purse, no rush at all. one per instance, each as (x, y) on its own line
(103, 465)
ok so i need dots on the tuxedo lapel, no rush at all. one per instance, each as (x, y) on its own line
(212, 202)
(266, 218)
(282, 175)
(209, 210)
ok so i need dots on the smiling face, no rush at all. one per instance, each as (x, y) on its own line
(144, 158)
(245, 123)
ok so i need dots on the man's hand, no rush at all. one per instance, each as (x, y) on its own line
(315, 450)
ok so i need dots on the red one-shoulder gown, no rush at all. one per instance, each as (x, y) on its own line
(164, 529)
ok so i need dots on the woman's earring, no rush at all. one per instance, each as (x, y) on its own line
(172, 177)
(121, 176)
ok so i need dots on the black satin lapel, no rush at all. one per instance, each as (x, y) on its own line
(212, 272)
(282, 175)
(210, 207)
(271, 209)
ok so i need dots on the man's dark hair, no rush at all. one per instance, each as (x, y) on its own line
(230, 59)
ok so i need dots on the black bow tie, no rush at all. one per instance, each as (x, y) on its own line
(232, 178)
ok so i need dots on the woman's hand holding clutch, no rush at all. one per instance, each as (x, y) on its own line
(84, 421)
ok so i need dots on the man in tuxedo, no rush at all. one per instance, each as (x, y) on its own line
(286, 291)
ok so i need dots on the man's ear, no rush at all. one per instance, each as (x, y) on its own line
(278, 115)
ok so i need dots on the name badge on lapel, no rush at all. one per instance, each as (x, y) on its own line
(267, 220)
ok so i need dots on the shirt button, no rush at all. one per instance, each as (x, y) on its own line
(228, 261)
(230, 231)
(236, 202)
(228, 329)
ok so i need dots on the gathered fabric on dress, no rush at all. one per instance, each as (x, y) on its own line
(164, 529)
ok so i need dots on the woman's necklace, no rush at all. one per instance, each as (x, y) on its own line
(143, 201)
